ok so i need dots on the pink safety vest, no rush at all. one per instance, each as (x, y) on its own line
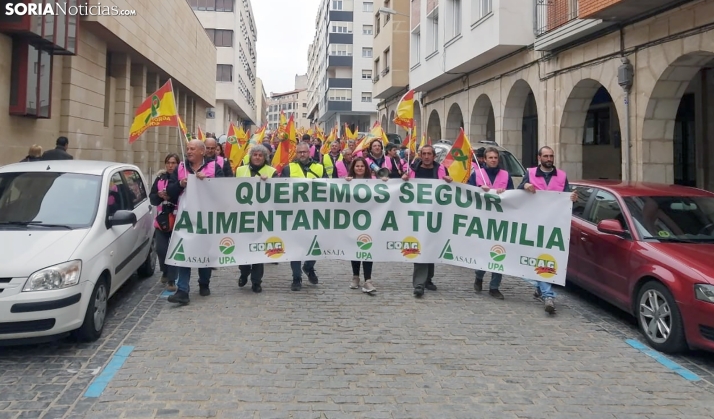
(388, 163)
(161, 184)
(317, 158)
(341, 168)
(208, 169)
(220, 160)
(441, 172)
(557, 181)
(501, 181)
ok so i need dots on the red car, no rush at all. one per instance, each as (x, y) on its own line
(649, 250)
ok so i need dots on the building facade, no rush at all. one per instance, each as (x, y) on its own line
(261, 105)
(391, 60)
(340, 65)
(293, 103)
(620, 89)
(231, 26)
(87, 83)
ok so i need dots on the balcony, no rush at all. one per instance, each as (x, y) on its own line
(339, 106)
(340, 16)
(467, 39)
(392, 43)
(339, 83)
(559, 23)
(621, 10)
(339, 61)
(339, 38)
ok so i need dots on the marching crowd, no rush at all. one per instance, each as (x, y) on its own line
(206, 159)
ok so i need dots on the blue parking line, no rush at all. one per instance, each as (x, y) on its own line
(100, 383)
(685, 373)
(166, 294)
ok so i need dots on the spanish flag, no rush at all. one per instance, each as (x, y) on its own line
(234, 148)
(423, 141)
(259, 135)
(319, 134)
(184, 130)
(376, 133)
(158, 110)
(405, 111)
(285, 151)
(410, 142)
(350, 135)
(328, 142)
(458, 161)
(256, 138)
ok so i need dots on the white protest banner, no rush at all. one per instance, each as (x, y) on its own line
(236, 221)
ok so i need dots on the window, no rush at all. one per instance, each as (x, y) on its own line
(107, 88)
(51, 197)
(224, 72)
(58, 32)
(224, 5)
(304, 115)
(339, 94)
(304, 105)
(367, 29)
(597, 127)
(368, 6)
(579, 206)
(510, 163)
(366, 74)
(336, 5)
(366, 96)
(377, 22)
(341, 27)
(433, 32)
(454, 21)
(221, 37)
(73, 23)
(341, 49)
(388, 6)
(386, 62)
(119, 197)
(605, 207)
(416, 46)
(367, 52)
(672, 217)
(135, 187)
(31, 77)
(481, 8)
(212, 5)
